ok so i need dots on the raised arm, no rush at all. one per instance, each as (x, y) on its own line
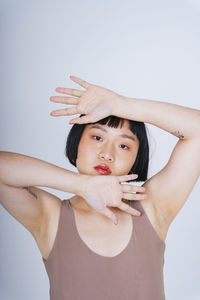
(19, 174)
(170, 187)
(183, 122)
(20, 170)
(31, 206)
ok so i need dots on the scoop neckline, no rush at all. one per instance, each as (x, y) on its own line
(80, 240)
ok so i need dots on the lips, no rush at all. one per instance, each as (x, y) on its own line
(103, 169)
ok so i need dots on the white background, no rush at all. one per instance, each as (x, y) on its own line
(143, 49)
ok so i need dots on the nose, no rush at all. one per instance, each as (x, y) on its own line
(107, 156)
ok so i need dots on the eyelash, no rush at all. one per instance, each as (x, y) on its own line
(121, 144)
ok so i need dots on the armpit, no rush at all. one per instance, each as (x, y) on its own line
(178, 134)
(30, 191)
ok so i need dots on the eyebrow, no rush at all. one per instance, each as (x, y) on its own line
(126, 136)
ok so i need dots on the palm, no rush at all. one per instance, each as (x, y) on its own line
(95, 103)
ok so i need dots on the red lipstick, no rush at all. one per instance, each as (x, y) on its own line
(103, 169)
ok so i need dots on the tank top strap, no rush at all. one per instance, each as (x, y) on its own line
(136, 204)
(66, 202)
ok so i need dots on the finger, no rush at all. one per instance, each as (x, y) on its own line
(133, 196)
(83, 120)
(108, 213)
(64, 112)
(129, 188)
(127, 208)
(72, 92)
(80, 81)
(127, 177)
(64, 100)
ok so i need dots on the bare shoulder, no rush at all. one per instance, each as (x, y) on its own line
(29, 205)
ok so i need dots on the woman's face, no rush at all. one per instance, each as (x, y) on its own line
(102, 144)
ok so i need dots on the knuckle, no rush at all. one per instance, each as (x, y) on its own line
(130, 188)
(139, 189)
(79, 109)
(72, 91)
(143, 196)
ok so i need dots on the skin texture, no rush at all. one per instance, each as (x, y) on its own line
(97, 146)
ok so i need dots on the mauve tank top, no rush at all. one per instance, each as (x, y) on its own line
(77, 273)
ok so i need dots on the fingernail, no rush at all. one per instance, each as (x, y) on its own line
(58, 89)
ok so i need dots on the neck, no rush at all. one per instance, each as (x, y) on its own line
(80, 203)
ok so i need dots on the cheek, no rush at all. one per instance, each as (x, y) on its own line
(85, 151)
(129, 159)
(134, 156)
(124, 162)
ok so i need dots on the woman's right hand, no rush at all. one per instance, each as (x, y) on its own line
(101, 191)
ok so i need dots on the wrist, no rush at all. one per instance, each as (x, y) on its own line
(118, 105)
(125, 108)
(80, 184)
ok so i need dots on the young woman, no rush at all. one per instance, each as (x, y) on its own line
(86, 256)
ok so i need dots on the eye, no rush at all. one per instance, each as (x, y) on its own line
(96, 136)
(125, 146)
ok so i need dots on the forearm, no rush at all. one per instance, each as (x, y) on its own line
(19, 170)
(178, 120)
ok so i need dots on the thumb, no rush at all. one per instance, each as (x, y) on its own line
(107, 212)
(127, 177)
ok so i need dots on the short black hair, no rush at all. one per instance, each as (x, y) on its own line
(141, 163)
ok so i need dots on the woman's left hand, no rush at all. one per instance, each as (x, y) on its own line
(95, 102)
